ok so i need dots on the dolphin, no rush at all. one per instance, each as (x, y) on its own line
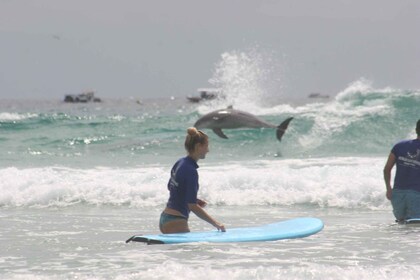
(231, 118)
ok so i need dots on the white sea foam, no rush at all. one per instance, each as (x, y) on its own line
(6, 116)
(324, 182)
(174, 270)
(267, 271)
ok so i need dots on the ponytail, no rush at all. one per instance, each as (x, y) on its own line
(194, 137)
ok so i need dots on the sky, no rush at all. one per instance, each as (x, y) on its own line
(157, 48)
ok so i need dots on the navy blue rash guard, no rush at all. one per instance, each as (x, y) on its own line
(183, 185)
(407, 176)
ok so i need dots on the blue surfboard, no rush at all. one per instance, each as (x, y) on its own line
(294, 228)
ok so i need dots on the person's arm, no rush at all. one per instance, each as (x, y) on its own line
(202, 214)
(387, 174)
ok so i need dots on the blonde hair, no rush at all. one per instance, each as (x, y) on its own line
(194, 137)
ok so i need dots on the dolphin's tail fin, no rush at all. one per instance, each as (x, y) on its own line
(281, 129)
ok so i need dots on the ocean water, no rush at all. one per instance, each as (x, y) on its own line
(77, 180)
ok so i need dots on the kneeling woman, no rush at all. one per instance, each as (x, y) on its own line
(183, 187)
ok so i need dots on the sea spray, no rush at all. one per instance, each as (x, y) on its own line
(248, 79)
(325, 182)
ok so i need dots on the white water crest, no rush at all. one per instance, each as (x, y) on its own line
(328, 182)
(8, 116)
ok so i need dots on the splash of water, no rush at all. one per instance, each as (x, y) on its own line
(248, 79)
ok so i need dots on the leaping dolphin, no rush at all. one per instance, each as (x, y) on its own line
(230, 118)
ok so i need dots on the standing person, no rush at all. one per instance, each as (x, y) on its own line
(405, 195)
(183, 187)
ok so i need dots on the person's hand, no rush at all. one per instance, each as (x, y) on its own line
(201, 203)
(389, 194)
(220, 227)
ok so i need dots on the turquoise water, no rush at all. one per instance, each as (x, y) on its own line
(357, 122)
(76, 180)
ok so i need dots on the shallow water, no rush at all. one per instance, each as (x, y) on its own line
(88, 242)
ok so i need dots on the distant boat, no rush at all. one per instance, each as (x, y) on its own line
(318, 95)
(205, 94)
(84, 97)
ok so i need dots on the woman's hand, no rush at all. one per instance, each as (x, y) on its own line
(220, 227)
(202, 214)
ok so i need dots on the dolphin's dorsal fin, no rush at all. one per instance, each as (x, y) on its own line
(230, 107)
(219, 133)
